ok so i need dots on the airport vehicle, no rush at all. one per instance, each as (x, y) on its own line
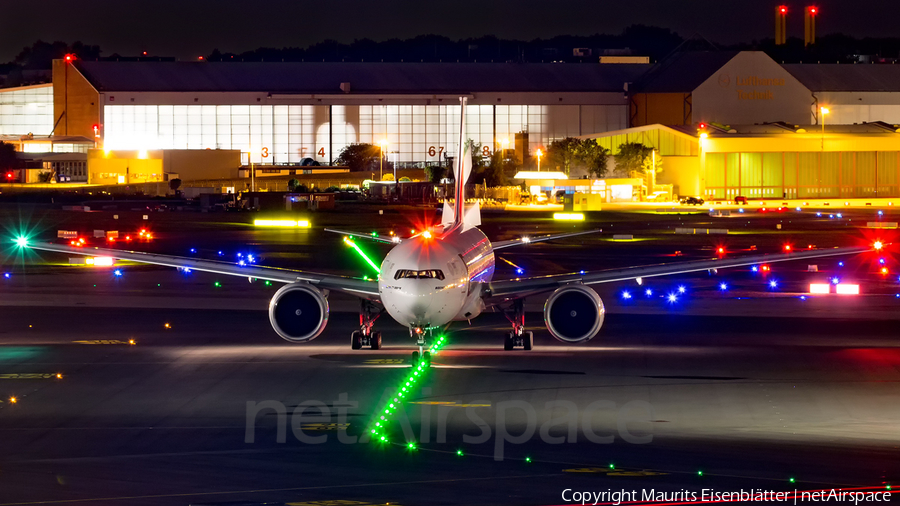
(691, 201)
(441, 275)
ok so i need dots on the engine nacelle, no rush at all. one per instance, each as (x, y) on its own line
(298, 312)
(574, 314)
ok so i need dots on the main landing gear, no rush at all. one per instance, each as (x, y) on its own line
(421, 355)
(519, 337)
(365, 336)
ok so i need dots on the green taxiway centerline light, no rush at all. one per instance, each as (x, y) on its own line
(460, 454)
(793, 480)
(362, 254)
(699, 473)
(528, 459)
(612, 466)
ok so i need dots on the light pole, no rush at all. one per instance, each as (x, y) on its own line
(824, 111)
(381, 146)
(538, 153)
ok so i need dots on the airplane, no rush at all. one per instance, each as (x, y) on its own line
(440, 275)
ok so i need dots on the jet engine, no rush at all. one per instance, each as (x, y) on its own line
(574, 313)
(298, 312)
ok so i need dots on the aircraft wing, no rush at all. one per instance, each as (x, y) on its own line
(367, 289)
(499, 291)
(365, 236)
(528, 240)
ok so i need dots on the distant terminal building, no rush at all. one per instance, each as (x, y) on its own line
(139, 121)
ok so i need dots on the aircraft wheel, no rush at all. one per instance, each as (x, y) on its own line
(508, 342)
(528, 339)
(415, 358)
(376, 340)
(426, 358)
(356, 340)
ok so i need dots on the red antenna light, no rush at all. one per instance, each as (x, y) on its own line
(145, 53)
(782, 9)
(701, 126)
(69, 57)
(199, 57)
(812, 10)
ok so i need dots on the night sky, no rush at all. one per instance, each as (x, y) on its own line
(188, 28)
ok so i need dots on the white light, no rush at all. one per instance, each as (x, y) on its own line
(723, 286)
(526, 240)
(819, 288)
(649, 292)
(626, 295)
(673, 297)
(681, 289)
(845, 289)
(773, 284)
(102, 261)
(21, 242)
(640, 281)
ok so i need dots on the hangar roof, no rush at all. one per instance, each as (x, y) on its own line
(843, 77)
(683, 72)
(364, 78)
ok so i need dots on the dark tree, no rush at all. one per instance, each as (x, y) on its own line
(594, 157)
(8, 159)
(175, 184)
(293, 184)
(359, 157)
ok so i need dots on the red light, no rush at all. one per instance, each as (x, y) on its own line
(70, 57)
(765, 268)
(701, 126)
(199, 57)
(812, 10)
(884, 270)
(9, 175)
(787, 247)
(72, 243)
(721, 250)
(878, 245)
(145, 53)
(782, 9)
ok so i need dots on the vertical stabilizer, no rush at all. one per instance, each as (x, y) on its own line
(461, 173)
(457, 216)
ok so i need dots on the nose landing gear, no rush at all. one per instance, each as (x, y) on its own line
(365, 336)
(421, 355)
(519, 337)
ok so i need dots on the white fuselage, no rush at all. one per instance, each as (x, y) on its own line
(430, 281)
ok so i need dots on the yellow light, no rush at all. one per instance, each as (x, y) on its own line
(142, 154)
(281, 223)
(704, 135)
(131, 342)
(568, 216)
(884, 270)
(824, 110)
(58, 376)
(878, 245)
(168, 326)
(426, 234)
(819, 288)
(539, 153)
(13, 400)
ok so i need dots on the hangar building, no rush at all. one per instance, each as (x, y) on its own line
(289, 114)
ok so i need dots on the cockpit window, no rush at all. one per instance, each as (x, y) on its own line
(426, 274)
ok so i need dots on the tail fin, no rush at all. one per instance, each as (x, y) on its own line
(461, 171)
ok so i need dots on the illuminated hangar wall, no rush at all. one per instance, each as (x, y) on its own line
(286, 134)
(26, 109)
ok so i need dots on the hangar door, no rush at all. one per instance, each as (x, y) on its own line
(802, 175)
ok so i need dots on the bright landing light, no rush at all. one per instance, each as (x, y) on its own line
(281, 223)
(568, 216)
(21, 241)
(878, 245)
